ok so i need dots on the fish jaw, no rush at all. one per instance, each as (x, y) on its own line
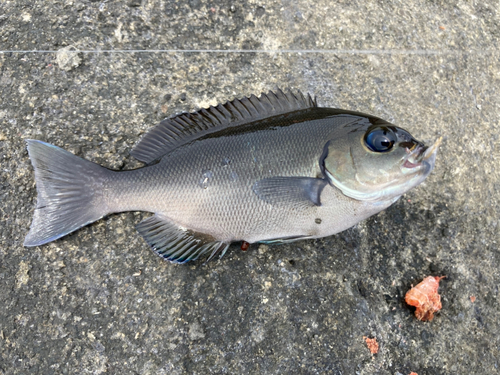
(422, 159)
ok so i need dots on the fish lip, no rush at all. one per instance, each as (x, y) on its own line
(421, 156)
(432, 150)
(413, 160)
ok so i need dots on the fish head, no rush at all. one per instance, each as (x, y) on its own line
(377, 162)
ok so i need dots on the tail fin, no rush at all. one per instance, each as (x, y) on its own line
(70, 193)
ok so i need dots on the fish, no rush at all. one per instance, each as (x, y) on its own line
(276, 168)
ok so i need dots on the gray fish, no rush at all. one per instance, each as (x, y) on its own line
(274, 168)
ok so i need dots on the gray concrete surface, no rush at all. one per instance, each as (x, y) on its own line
(98, 301)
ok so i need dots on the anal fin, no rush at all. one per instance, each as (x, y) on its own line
(177, 244)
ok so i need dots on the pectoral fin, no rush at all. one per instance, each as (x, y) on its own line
(177, 244)
(290, 190)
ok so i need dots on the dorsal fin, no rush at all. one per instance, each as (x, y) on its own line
(186, 127)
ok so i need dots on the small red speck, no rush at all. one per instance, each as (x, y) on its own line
(442, 27)
(244, 246)
(473, 299)
(372, 344)
(212, 10)
(413, 373)
(409, 200)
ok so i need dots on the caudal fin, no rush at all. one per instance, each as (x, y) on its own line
(70, 193)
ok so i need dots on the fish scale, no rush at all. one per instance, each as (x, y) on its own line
(271, 169)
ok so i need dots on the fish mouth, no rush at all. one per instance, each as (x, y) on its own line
(421, 157)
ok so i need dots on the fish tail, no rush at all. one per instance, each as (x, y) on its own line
(70, 193)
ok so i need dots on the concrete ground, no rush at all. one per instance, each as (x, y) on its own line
(94, 76)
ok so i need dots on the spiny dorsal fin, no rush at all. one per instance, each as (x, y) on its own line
(186, 127)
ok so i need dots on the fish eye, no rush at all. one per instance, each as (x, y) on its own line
(380, 139)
